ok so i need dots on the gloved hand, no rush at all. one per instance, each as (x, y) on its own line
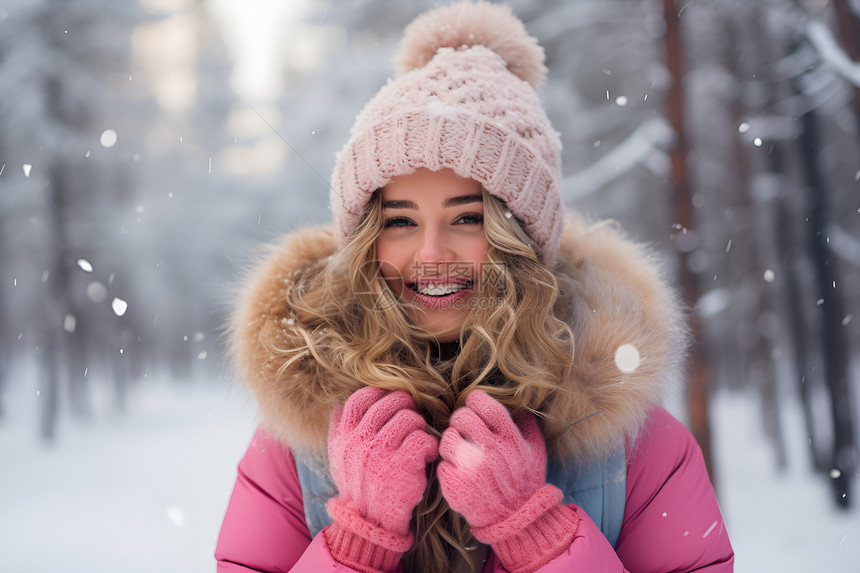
(378, 452)
(493, 472)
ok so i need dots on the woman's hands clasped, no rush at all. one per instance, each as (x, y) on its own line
(492, 472)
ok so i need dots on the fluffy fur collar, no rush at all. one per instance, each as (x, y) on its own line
(620, 301)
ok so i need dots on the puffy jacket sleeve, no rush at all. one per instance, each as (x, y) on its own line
(672, 522)
(264, 528)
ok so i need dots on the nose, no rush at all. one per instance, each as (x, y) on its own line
(436, 247)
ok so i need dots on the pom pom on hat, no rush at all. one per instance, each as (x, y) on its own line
(465, 24)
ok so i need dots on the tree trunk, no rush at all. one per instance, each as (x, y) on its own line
(52, 333)
(832, 312)
(683, 217)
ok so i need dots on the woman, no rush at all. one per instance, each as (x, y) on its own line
(456, 378)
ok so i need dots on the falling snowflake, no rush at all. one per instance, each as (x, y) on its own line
(176, 515)
(96, 292)
(119, 306)
(108, 138)
(627, 358)
(709, 530)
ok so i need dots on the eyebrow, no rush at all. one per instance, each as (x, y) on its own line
(450, 202)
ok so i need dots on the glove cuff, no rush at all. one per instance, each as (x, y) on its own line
(356, 542)
(541, 530)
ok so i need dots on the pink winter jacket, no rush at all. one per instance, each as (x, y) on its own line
(616, 299)
(671, 518)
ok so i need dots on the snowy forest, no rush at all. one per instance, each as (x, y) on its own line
(148, 146)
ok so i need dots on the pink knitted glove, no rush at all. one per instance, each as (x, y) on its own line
(378, 452)
(493, 472)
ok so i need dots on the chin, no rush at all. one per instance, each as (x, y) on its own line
(445, 330)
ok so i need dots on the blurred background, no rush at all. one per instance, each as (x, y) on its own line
(147, 146)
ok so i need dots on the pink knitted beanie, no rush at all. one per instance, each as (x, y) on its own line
(464, 98)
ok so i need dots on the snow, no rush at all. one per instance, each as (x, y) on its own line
(831, 54)
(843, 243)
(627, 358)
(119, 306)
(652, 135)
(146, 491)
(713, 302)
(96, 292)
(108, 138)
(141, 492)
(777, 521)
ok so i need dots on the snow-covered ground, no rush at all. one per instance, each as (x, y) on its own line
(778, 521)
(141, 493)
(146, 492)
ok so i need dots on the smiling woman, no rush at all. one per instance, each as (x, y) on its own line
(409, 425)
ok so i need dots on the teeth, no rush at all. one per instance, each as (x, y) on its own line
(440, 289)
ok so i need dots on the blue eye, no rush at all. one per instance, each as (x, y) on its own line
(397, 222)
(471, 219)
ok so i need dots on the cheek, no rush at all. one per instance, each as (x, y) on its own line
(387, 257)
(481, 249)
(479, 255)
(478, 251)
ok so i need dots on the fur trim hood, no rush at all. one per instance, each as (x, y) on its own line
(628, 329)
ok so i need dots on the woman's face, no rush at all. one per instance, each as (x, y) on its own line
(432, 246)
